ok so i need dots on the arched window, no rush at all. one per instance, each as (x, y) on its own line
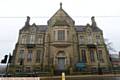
(83, 55)
(92, 58)
(100, 56)
(38, 56)
(29, 56)
(21, 55)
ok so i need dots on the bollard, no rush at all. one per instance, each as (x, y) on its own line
(63, 76)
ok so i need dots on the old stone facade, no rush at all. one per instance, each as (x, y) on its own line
(59, 46)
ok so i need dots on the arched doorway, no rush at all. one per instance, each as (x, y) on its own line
(61, 61)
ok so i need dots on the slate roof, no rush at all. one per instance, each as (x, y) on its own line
(82, 28)
(42, 28)
(78, 28)
(61, 18)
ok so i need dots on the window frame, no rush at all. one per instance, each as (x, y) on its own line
(100, 56)
(83, 55)
(31, 38)
(21, 55)
(61, 35)
(38, 56)
(92, 55)
(29, 55)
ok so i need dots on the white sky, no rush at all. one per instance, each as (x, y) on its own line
(13, 16)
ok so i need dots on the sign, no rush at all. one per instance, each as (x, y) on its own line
(20, 78)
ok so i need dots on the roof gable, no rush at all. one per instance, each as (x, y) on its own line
(60, 16)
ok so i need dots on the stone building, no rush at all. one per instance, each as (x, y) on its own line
(59, 46)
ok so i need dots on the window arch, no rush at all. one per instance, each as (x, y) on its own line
(61, 54)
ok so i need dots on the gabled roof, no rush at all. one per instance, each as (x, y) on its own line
(60, 16)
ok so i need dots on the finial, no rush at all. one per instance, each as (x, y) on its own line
(60, 5)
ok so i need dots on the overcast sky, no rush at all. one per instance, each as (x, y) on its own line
(13, 16)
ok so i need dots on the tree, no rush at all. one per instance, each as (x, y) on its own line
(109, 45)
(5, 59)
(10, 58)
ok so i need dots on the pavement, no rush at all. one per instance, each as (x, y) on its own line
(80, 76)
(68, 77)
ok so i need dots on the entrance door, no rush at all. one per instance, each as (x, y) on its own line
(61, 63)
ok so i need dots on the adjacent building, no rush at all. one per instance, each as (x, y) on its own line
(59, 46)
(115, 61)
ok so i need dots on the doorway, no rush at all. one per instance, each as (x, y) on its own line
(61, 63)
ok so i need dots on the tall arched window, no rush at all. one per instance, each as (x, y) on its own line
(29, 56)
(92, 57)
(38, 56)
(83, 55)
(21, 55)
(100, 56)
